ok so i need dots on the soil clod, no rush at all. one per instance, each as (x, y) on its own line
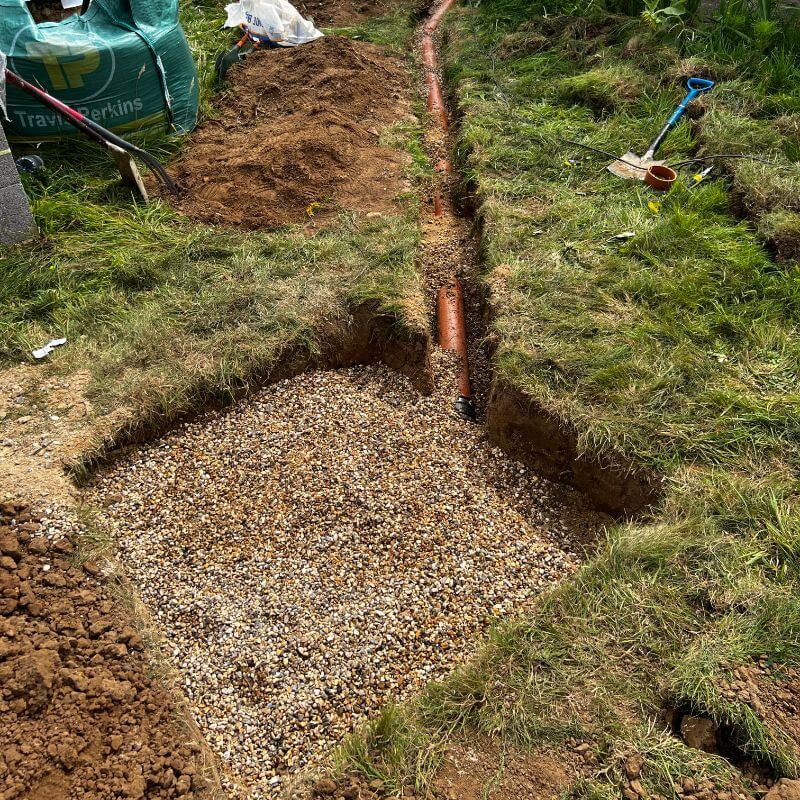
(81, 713)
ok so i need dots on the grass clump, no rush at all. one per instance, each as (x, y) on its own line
(167, 314)
(724, 131)
(390, 749)
(661, 328)
(781, 230)
(602, 89)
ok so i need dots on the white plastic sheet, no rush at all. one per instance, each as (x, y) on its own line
(276, 20)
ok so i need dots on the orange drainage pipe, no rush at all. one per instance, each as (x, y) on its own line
(435, 99)
(428, 53)
(433, 23)
(437, 203)
(453, 336)
(450, 302)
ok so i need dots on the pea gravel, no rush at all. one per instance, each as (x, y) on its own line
(330, 544)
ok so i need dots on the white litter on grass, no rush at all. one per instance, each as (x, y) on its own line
(276, 20)
(45, 350)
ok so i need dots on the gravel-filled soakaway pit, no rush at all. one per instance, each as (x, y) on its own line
(329, 545)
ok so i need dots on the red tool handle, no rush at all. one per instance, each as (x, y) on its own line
(89, 127)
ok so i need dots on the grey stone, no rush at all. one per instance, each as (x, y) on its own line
(8, 169)
(9, 176)
(16, 221)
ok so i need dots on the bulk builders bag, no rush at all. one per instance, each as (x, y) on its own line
(126, 64)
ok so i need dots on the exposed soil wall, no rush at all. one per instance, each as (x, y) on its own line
(366, 337)
(531, 435)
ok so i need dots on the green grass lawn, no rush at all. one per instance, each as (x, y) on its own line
(660, 327)
(676, 346)
(168, 314)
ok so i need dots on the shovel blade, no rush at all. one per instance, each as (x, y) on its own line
(626, 168)
(128, 170)
(231, 57)
(631, 166)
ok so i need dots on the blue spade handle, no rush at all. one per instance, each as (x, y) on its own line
(696, 87)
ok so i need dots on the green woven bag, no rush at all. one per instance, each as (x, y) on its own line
(126, 64)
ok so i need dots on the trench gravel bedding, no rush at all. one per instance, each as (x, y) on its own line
(331, 544)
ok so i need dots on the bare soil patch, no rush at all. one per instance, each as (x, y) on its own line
(344, 12)
(297, 138)
(43, 423)
(81, 714)
(483, 769)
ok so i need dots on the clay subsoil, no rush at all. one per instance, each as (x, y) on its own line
(82, 714)
(297, 138)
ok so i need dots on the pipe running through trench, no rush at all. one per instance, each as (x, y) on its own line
(450, 301)
(453, 337)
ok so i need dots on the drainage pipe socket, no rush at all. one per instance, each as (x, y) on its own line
(453, 337)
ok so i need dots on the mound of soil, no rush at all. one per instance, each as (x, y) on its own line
(297, 138)
(344, 12)
(80, 714)
(49, 11)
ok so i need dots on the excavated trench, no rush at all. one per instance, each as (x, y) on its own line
(340, 538)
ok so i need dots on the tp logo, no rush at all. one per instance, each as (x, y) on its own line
(65, 65)
(78, 69)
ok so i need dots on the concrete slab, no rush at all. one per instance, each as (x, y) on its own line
(8, 169)
(16, 221)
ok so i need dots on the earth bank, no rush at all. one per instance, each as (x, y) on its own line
(83, 714)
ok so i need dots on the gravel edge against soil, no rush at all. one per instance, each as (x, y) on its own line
(329, 545)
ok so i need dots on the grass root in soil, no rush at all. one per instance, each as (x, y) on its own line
(298, 136)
